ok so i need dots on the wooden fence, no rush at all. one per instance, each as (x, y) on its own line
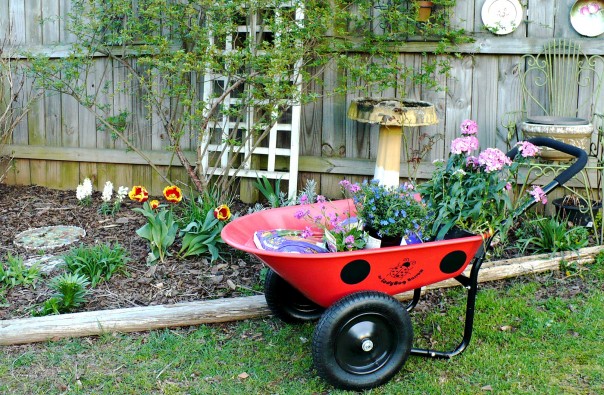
(59, 143)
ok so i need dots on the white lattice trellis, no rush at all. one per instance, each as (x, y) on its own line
(284, 136)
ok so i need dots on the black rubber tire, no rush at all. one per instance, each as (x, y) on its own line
(365, 319)
(287, 303)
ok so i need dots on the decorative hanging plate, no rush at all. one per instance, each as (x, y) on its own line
(502, 16)
(587, 17)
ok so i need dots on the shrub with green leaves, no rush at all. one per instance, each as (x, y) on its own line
(13, 273)
(70, 293)
(97, 263)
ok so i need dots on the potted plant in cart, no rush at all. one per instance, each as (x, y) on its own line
(390, 215)
(473, 193)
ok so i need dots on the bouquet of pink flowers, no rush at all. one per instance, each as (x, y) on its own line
(472, 192)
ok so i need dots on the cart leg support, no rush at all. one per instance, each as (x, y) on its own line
(471, 284)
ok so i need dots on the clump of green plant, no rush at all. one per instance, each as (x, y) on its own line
(201, 221)
(549, 234)
(275, 196)
(13, 273)
(97, 263)
(161, 228)
(200, 237)
(70, 293)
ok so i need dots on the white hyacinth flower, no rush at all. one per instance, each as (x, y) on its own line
(80, 193)
(107, 192)
(122, 192)
(87, 187)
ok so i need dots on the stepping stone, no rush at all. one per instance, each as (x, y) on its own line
(49, 237)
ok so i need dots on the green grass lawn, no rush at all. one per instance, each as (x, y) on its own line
(533, 335)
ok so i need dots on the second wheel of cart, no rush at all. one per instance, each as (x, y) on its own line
(287, 303)
(362, 340)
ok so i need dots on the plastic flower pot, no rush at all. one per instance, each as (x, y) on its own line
(424, 10)
(576, 211)
(377, 241)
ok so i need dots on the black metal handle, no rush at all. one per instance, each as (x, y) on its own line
(572, 170)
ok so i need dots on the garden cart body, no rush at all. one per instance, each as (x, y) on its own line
(364, 334)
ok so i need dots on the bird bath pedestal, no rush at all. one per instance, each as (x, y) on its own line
(392, 115)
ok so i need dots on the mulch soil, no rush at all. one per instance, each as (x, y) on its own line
(175, 280)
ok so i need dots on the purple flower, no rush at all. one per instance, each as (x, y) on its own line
(493, 159)
(344, 184)
(321, 199)
(306, 233)
(527, 149)
(468, 127)
(508, 186)
(464, 145)
(301, 214)
(349, 239)
(538, 194)
(303, 199)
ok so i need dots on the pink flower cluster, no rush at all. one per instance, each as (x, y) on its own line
(350, 187)
(464, 145)
(468, 127)
(538, 194)
(493, 159)
(527, 149)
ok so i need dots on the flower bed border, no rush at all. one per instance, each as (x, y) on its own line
(137, 319)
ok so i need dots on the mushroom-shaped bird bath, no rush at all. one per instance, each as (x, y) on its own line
(393, 115)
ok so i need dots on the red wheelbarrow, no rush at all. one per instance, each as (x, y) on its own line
(364, 335)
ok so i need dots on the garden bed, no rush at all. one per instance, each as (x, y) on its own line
(179, 289)
(174, 281)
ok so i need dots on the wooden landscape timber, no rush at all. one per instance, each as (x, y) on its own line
(40, 329)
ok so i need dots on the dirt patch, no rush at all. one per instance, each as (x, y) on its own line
(176, 280)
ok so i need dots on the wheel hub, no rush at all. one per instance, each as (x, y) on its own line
(367, 345)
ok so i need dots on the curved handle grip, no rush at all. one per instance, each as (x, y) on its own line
(570, 172)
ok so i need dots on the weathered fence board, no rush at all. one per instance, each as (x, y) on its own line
(59, 143)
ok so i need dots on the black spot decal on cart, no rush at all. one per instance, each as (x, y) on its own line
(356, 271)
(453, 261)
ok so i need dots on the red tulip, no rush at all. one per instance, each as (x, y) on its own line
(173, 194)
(222, 212)
(139, 194)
